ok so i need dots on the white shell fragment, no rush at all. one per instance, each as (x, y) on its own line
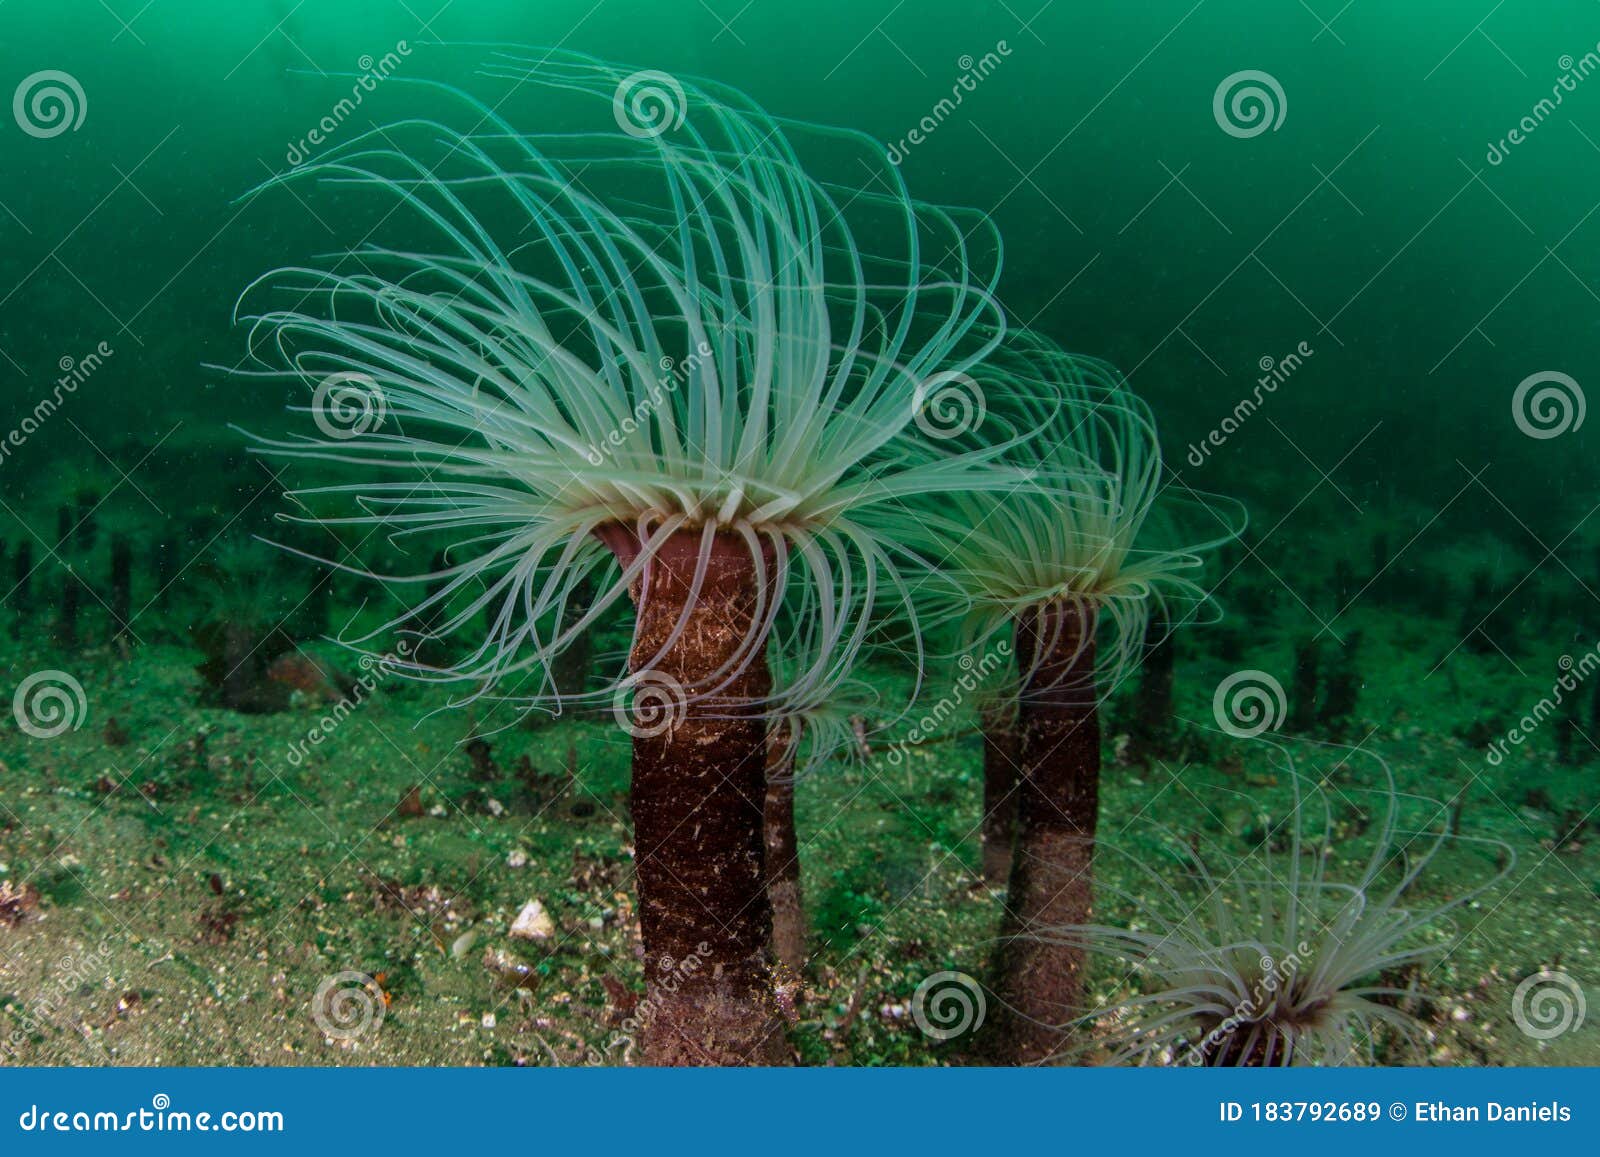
(533, 923)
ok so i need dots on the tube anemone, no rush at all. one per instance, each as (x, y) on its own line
(699, 344)
(697, 792)
(1270, 958)
(644, 362)
(784, 892)
(806, 733)
(997, 719)
(1063, 563)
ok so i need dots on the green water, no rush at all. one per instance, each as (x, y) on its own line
(1369, 224)
(1331, 318)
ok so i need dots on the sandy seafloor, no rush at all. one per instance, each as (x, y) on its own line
(187, 887)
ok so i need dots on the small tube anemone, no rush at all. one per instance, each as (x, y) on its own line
(803, 732)
(1269, 959)
(1094, 526)
(828, 721)
(1066, 563)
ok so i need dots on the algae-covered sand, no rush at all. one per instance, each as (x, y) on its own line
(182, 878)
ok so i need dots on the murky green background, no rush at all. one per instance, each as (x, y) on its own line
(1369, 224)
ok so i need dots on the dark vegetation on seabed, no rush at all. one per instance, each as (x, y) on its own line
(248, 810)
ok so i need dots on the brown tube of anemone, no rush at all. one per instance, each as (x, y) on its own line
(783, 857)
(998, 721)
(699, 780)
(1041, 981)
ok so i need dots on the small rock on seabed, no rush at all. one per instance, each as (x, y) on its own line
(533, 923)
